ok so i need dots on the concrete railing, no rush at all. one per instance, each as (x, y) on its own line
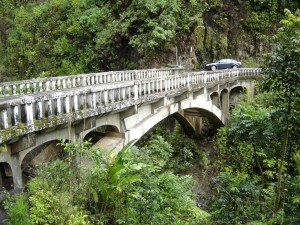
(27, 113)
(81, 80)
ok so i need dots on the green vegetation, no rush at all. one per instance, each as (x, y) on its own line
(257, 156)
(76, 36)
(54, 38)
(19, 211)
(265, 135)
(114, 190)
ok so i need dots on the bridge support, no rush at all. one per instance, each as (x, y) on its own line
(16, 172)
(111, 140)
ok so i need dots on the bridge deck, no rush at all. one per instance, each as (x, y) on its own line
(30, 106)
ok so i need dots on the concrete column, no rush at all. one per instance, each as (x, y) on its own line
(53, 85)
(6, 91)
(167, 84)
(74, 82)
(141, 89)
(225, 102)
(118, 94)
(153, 86)
(66, 105)
(105, 97)
(58, 83)
(28, 88)
(29, 114)
(48, 108)
(40, 84)
(16, 171)
(88, 80)
(78, 82)
(58, 106)
(21, 91)
(16, 115)
(144, 88)
(4, 119)
(128, 93)
(93, 103)
(75, 100)
(69, 83)
(99, 97)
(96, 78)
(112, 95)
(198, 125)
(149, 88)
(136, 75)
(92, 80)
(64, 85)
(161, 85)
(123, 94)
(39, 110)
(136, 92)
(14, 89)
(47, 86)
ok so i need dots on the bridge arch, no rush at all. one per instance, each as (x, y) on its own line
(48, 149)
(198, 121)
(141, 124)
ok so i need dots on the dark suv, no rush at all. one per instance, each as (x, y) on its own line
(224, 64)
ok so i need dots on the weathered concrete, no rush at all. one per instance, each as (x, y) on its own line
(119, 110)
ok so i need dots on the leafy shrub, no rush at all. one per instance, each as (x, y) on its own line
(18, 213)
(50, 205)
(238, 200)
(129, 191)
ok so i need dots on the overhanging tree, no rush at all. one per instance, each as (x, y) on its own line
(282, 67)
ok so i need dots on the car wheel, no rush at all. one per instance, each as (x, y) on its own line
(234, 67)
(213, 68)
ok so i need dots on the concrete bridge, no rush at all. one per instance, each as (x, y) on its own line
(111, 107)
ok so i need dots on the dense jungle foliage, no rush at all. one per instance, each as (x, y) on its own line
(256, 157)
(41, 38)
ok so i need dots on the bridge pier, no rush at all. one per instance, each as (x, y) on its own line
(16, 172)
(111, 140)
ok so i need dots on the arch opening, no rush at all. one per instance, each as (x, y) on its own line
(236, 95)
(98, 133)
(197, 123)
(215, 99)
(6, 179)
(41, 154)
